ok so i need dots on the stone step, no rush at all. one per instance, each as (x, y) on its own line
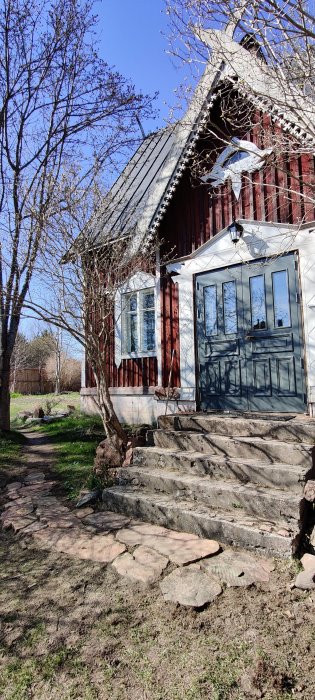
(279, 475)
(296, 454)
(270, 504)
(293, 429)
(188, 516)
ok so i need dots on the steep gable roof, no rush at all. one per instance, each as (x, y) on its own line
(138, 200)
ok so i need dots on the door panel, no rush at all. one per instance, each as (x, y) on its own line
(249, 337)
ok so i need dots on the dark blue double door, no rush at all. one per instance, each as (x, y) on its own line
(249, 337)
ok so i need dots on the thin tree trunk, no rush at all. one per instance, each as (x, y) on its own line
(111, 423)
(5, 394)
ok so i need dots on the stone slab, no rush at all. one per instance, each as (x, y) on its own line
(19, 502)
(100, 548)
(20, 523)
(190, 587)
(34, 478)
(238, 569)
(179, 547)
(34, 527)
(14, 486)
(107, 521)
(151, 558)
(128, 566)
(83, 512)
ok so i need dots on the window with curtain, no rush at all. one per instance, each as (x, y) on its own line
(138, 322)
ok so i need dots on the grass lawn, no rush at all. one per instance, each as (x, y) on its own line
(30, 401)
(75, 439)
(11, 463)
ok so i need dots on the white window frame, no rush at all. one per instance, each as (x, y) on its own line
(139, 314)
(138, 284)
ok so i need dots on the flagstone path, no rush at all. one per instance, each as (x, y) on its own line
(191, 570)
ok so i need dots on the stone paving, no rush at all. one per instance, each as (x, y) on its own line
(191, 570)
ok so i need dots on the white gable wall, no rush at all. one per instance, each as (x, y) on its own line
(259, 240)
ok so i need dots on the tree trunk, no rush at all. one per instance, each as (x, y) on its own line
(112, 426)
(5, 394)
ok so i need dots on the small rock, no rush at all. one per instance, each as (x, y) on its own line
(90, 497)
(283, 532)
(308, 562)
(38, 412)
(189, 587)
(265, 528)
(309, 491)
(305, 580)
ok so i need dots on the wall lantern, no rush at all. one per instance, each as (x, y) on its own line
(236, 231)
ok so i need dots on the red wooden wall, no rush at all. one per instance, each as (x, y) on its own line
(281, 192)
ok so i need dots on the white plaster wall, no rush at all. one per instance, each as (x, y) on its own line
(134, 408)
(259, 240)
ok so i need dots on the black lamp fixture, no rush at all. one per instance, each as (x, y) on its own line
(236, 231)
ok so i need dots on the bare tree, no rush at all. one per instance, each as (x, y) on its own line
(278, 73)
(82, 292)
(19, 358)
(60, 104)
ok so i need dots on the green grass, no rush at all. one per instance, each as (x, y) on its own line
(75, 439)
(11, 444)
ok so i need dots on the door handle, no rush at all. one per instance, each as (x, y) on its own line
(249, 337)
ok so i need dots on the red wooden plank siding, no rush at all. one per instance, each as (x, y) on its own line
(198, 212)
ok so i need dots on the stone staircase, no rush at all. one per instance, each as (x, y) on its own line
(234, 478)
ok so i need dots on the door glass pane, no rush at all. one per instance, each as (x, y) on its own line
(210, 302)
(281, 304)
(229, 305)
(258, 302)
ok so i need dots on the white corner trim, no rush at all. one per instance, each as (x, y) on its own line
(141, 280)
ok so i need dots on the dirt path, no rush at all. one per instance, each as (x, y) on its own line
(39, 451)
(74, 629)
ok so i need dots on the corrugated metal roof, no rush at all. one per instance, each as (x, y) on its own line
(127, 199)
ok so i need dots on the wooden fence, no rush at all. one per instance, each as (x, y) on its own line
(32, 381)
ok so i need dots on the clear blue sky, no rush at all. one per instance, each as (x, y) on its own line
(131, 39)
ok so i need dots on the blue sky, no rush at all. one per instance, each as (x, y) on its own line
(131, 39)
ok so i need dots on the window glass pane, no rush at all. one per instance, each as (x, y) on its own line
(281, 304)
(148, 331)
(133, 302)
(133, 333)
(229, 305)
(258, 302)
(148, 300)
(210, 302)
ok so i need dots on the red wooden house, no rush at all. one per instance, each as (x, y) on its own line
(229, 318)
